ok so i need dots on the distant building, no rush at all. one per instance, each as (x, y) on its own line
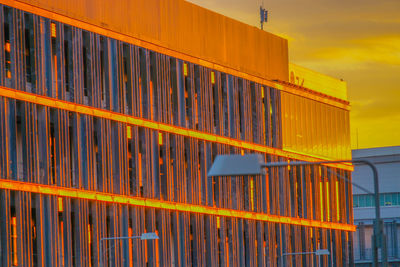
(387, 160)
(111, 113)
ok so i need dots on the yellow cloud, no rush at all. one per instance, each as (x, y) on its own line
(381, 49)
(375, 132)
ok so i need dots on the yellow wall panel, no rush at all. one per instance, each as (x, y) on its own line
(317, 81)
(315, 128)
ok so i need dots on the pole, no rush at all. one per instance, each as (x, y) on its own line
(101, 253)
(378, 238)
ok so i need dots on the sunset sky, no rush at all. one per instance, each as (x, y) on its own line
(355, 40)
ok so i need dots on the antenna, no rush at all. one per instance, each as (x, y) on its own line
(263, 15)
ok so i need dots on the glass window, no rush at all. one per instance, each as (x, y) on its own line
(53, 61)
(86, 60)
(370, 202)
(362, 201)
(388, 199)
(395, 197)
(29, 50)
(355, 201)
(382, 199)
(7, 30)
(68, 68)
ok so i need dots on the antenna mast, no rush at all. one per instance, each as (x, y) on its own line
(263, 15)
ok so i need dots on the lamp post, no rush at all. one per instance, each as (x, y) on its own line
(144, 236)
(253, 164)
(318, 252)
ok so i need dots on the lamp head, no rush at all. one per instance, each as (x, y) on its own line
(234, 165)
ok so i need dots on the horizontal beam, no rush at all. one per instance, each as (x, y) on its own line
(167, 205)
(163, 127)
(167, 51)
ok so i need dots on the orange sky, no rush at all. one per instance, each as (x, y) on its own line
(355, 40)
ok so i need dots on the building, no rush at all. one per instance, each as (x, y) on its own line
(387, 161)
(111, 113)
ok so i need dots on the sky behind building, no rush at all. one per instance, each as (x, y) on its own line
(357, 41)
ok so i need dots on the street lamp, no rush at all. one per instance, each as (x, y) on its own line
(253, 164)
(144, 236)
(318, 252)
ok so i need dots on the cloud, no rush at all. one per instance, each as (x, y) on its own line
(375, 133)
(380, 49)
(357, 40)
(377, 108)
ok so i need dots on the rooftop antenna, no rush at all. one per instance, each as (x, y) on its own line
(263, 15)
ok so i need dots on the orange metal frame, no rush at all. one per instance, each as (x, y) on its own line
(160, 204)
(158, 48)
(101, 113)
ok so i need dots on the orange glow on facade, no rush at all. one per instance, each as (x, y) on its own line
(128, 132)
(310, 190)
(89, 232)
(53, 30)
(145, 251)
(7, 47)
(60, 205)
(55, 73)
(176, 206)
(160, 139)
(157, 250)
(185, 69)
(328, 213)
(64, 105)
(14, 237)
(337, 201)
(252, 193)
(321, 198)
(61, 228)
(130, 233)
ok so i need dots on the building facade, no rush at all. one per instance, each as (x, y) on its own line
(387, 161)
(111, 113)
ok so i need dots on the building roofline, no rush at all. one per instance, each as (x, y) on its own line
(376, 152)
(154, 45)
